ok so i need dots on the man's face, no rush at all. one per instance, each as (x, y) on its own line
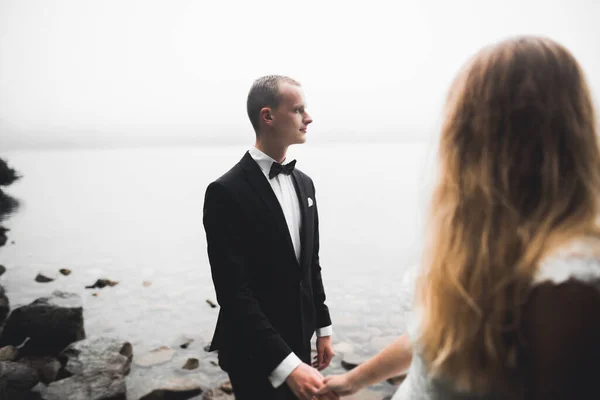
(290, 119)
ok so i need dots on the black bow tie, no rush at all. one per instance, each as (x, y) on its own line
(277, 168)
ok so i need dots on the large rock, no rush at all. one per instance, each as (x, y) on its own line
(47, 367)
(4, 305)
(3, 237)
(157, 356)
(16, 380)
(105, 386)
(175, 389)
(96, 355)
(51, 323)
(351, 361)
(9, 353)
(217, 394)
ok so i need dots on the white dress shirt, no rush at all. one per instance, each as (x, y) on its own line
(283, 187)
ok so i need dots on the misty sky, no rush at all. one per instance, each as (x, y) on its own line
(147, 71)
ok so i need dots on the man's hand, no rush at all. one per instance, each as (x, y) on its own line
(305, 382)
(324, 353)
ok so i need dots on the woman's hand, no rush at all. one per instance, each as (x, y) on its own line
(342, 385)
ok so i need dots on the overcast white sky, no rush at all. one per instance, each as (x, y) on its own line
(146, 71)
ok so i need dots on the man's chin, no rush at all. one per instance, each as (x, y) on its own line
(301, 139)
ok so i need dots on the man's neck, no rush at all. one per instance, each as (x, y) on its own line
(276, 152)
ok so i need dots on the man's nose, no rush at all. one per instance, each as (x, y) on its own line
(307, 119)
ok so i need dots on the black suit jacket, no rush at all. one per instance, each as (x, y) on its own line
(271, 304)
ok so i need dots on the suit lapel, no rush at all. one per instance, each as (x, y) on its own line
(257, 180)
(304, 231)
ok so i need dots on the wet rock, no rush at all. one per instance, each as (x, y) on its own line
(98, 355)
(155, 357)
(7, 174)
(3, 237)
(50, 323)
(8, 353)
(176, 389)
(2, 270)
(397, 380)
(186, 343)
(217, 394)
(104, 386)
(43, 278)
(16, 380)
(36, 392)
(4, 305)
(101, 283)
(46, 367)
(191, 363)
(211, 303)
(226, 387)
(65, 271)
(351, 360)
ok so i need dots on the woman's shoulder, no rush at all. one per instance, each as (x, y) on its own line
(576, 261)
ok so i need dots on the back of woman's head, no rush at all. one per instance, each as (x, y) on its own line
(519, 173)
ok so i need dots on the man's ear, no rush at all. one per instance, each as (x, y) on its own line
(266, 116)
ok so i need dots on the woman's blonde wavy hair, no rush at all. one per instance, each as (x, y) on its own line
(519, 175)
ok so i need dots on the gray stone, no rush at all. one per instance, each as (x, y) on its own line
(397, 380)
(176, 389)
(104, 386)
(186, 343)
(3, 237)
(155, 357)
(51, 323)
(98, 354)
(47, 367)
(226, 387)
(8, 353)
(2, 270)
(16, 380)
(191, 363)
(44, 278)
(4, 305)
(219, 394)
(352, 360)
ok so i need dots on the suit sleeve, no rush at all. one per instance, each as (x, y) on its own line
(227, 253)
(323, 317)
(563, 346)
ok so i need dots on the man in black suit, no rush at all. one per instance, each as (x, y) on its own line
(262, 231)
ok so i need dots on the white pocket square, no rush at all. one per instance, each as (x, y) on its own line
(310, 202)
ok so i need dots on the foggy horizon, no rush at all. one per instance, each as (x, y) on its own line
(82, 73)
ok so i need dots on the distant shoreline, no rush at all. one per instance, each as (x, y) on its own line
(63, 145)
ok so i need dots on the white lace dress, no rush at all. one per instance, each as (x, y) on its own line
(578, 261)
